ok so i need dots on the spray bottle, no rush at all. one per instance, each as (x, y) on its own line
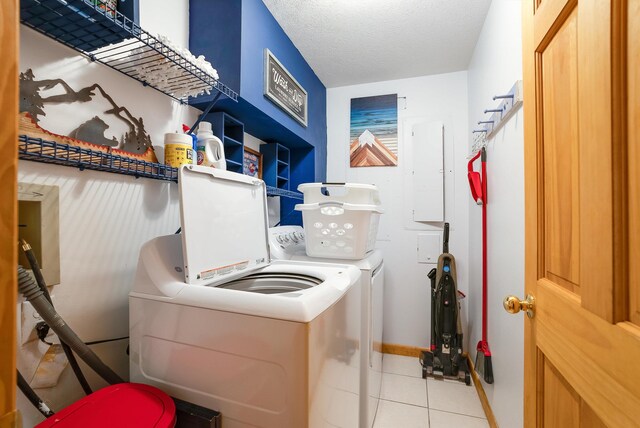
(194, 141)
(210, 148)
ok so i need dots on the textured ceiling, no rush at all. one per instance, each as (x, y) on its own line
(348, 42)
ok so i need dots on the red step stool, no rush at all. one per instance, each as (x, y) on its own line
(125, 405)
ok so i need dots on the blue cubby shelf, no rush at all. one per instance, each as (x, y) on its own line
(115, 40)
(230, 140)
(231, 132)
(39, 150)
(234, 166)
(275, 165)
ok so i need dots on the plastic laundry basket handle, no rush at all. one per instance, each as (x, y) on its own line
(325, 190)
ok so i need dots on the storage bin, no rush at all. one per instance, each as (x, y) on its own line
(343, 224)
(352, 193)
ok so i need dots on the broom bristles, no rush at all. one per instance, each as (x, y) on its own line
(483, 365)
(479, 366)
(488, 370)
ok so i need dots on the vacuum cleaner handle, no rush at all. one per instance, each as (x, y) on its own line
(432, 276)
(445, 239)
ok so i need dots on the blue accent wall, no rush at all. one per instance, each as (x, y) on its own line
(260, 30)
(215, 32)
(130, 9)
(233, 34)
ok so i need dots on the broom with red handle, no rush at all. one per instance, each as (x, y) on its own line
(479, 192)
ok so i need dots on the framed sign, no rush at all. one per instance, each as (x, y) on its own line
(252, 163)
(283, 90)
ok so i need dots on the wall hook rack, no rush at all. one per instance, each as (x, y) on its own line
(509, 104)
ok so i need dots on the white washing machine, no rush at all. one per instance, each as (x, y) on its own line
(215, 323)
(288, 243)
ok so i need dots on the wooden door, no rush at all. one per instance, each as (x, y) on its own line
(8, 208)
(582, 122)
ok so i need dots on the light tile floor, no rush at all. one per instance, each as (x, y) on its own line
(408, 401)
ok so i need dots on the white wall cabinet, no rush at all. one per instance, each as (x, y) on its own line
(428, 171)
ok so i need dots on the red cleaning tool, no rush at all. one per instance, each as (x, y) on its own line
(478, 187)
(475, 182)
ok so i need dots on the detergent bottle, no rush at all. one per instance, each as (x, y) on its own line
(210, 148)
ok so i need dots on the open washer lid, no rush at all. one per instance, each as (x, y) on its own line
(224, 224)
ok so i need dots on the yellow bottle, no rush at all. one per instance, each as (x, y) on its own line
(178, 149)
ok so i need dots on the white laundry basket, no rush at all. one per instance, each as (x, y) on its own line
(352, 193)
(335, 227)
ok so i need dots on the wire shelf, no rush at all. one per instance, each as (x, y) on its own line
(119, 43)
(273, 191)
(39, 150)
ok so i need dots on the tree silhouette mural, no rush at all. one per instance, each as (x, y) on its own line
(135, 140)
(30, 99)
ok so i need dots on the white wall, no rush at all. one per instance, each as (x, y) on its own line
(104, 218)
(495, 66)
(166, 18)
(440, 98)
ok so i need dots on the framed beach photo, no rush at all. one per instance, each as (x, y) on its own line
(252, 163)
(374, 131)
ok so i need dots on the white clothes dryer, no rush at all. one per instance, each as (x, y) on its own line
(215, 323)
(288, 243)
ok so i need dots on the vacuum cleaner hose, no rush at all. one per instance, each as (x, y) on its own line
(37, 273)
(34, 294)
(33, 397)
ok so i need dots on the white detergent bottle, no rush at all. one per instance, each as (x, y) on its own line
(210, 148)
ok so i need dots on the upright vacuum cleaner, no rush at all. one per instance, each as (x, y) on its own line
(445, 357)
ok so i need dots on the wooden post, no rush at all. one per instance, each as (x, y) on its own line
(8, 209)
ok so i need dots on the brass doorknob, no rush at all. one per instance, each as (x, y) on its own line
(513, 305)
